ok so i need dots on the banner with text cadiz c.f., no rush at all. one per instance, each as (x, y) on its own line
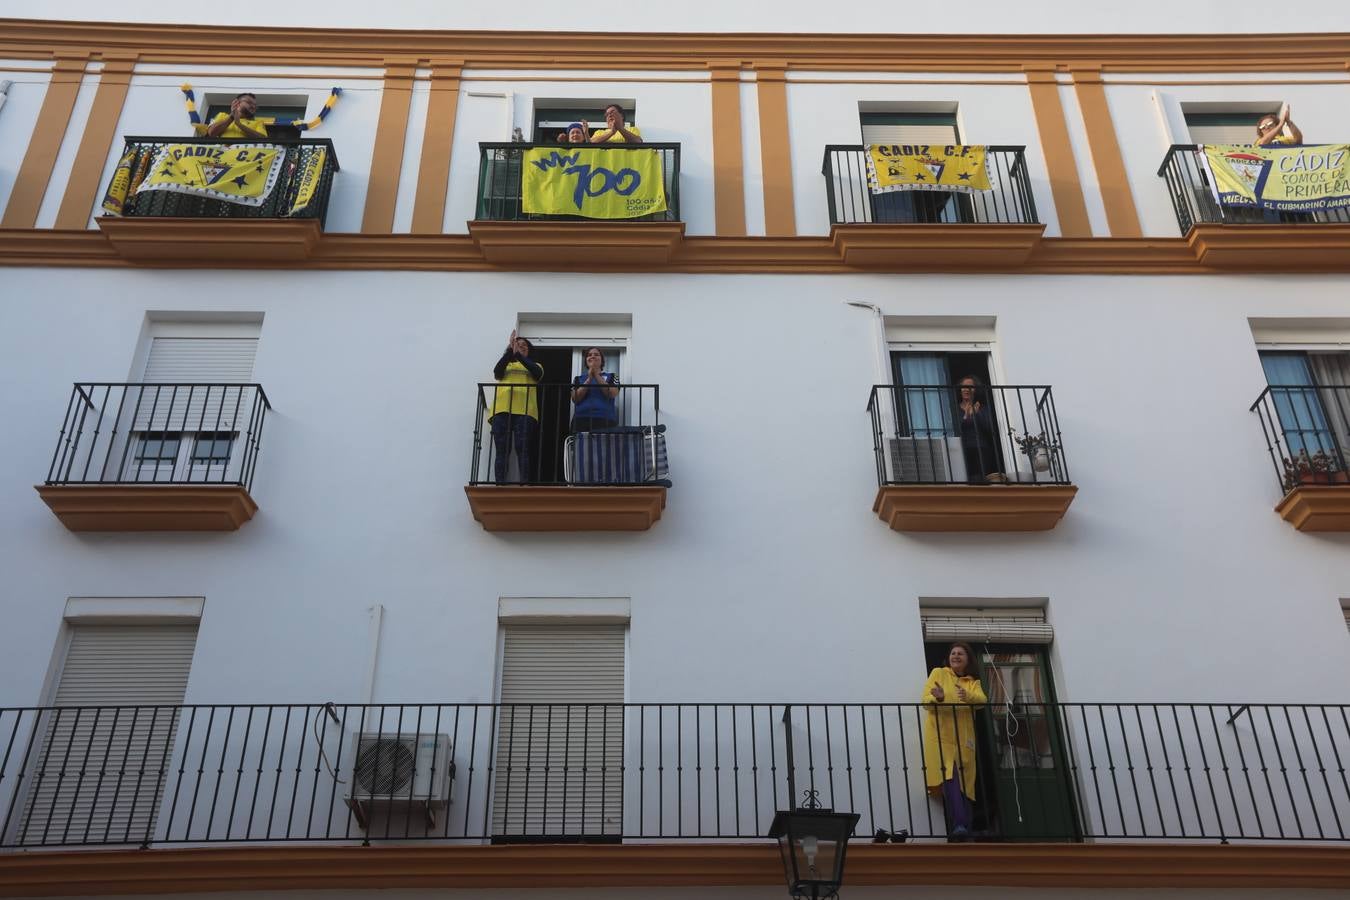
(1290, 178)
(597, 184)
(926, 167)
(234, 172)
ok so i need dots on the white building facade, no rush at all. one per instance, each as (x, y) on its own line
(275, 619)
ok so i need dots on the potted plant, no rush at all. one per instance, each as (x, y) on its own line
(1037, 448)
(1317, 468)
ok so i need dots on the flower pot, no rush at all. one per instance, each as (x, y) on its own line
(1040, 459)
(1324, 478)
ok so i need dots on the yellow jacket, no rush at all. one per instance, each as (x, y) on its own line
(949, 729)
(515, 393)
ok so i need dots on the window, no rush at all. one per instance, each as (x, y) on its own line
(1022, 788)
(124, 665)
(213, 448)
(1310, 390)
(912, 127)
(157, 447)
(553, 116)
(283, 109)
(1208, 124)
(558, 773)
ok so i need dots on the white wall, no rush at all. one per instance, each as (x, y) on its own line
(1169, 579)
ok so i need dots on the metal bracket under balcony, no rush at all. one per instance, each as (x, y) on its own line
(161, 207)
(156, 457)
(968, 456)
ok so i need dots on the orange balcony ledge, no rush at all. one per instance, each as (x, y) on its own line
(1298, 246)
(179, 241)
(577, 245)
(1317, 508)
(150, 507)
(971, 247)
(571, 508)
(960, 507)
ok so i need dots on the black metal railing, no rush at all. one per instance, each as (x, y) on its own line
(301, 191)
(500, 167)
(986, 434)
(1008, 201)
(538, 434)
(1307, 431)
(642, 771)
(128, 433)
(1194, 200)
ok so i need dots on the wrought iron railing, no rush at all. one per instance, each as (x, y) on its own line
(500, 167)
(537, 434)
(1008, 201)
(645, 771)
(1194, 201)
(301, 191)
(1307, 431)
(129, 433)
(955, 434)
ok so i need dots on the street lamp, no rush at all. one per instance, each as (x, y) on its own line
(813, 841)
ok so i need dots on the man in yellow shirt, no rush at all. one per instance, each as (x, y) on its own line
(615, 130)
(239, 123)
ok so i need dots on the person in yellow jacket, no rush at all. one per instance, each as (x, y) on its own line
(515, 408)
(950, 696)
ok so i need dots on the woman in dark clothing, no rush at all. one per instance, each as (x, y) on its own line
(515, 411)
(979, 443)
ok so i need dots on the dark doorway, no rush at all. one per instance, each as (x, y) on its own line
(555, 411)
(1022, 786)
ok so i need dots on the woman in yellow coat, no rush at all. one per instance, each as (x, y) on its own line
(950, 695)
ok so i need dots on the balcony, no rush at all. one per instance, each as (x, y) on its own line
(272, 211)
(1230, 236)
(612, 477)
(995, 229)
(576, 206)
(596, 773)
(1307, 432)
(156, 457)
(1001, 468)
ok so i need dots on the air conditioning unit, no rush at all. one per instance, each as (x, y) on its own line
(927, 460)
(391, 769)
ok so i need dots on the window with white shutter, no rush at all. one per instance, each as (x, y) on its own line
(195, 401)
(909, 128)
(994, 625)
(1223, 127)
(97, 771)
(558, 773)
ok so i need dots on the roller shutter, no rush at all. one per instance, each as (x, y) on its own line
(998, 625)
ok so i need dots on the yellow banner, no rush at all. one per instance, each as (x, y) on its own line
(926, 167)
(1305, 177)
(591, 182)
(233, 172)
(115, 198)
(310, 172)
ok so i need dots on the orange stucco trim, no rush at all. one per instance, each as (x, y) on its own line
(386, 162)
(208, 43)
(683, 865)
(1121, 216)
(728, 162)
(30, 185)
(706, 255)
(433, 173)
(1059, 160)
(780, 216)
(83, 187)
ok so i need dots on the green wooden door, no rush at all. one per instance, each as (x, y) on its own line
(1023, 753)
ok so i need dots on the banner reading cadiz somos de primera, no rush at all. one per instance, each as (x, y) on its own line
(233, 172)
(598, 184)
(926, 167)
(1308, 177)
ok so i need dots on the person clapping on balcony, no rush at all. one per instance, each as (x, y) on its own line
(615, 130)
(1278, 129)
(950, 695)
(240, 122)
(575, 134)
(976, 427)
(515, 409)
(593, 394)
